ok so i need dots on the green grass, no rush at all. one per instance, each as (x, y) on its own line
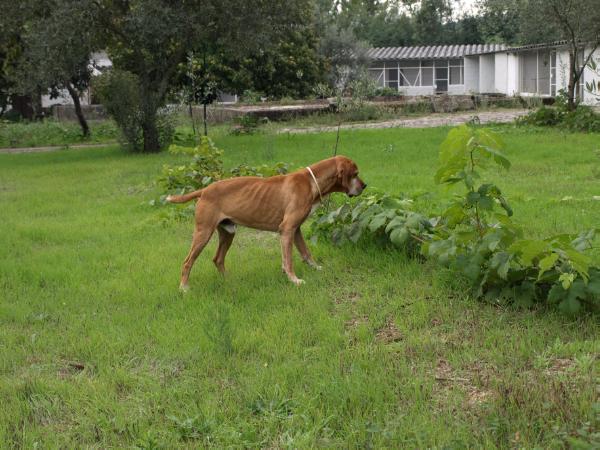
(98, 349)
(52, 132)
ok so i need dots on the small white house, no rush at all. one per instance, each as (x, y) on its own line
(531, 70)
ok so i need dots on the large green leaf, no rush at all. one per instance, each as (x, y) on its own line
(529, 250)
(547, 263)
(571, 304)
(399, 236)
(501, 263)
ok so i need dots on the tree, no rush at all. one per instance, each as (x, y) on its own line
(577, 22)
(150, 39)
(430, 21)
(499, 21)
(56, 53)
(14, 21)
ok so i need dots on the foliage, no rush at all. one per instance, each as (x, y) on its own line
(120, 95)
(52, 132)
(583, 118)
(263, 170)
(204, 167)
(151, 38)
(387, 91)
(475, 235)
(56, 53)
(247, 124)
(288, 68)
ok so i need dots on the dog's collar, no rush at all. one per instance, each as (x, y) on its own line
(316, 182)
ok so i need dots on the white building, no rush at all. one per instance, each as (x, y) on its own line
(532, 70)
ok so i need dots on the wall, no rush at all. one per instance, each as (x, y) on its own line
(512, 74)
(594, 77)
(417, 90)
(487, 74)
(456, 89)
(472, 74)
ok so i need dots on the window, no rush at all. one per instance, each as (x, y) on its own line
(377, 76)
(409, 73)
(410, 76)
(457, 71)
(427, 74)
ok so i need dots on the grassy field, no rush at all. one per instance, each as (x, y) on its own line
(98, 349)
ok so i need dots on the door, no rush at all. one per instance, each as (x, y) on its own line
(441, 79)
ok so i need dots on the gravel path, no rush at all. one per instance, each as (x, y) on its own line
(433, 120)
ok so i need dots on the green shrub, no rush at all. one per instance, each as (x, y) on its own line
(204, 168)
(322, 90)
(119, 92)
(387, 91)
(543, 117)
(251, 97)
(582, 119)
(475, 235)
(361, 113)
(247, 124)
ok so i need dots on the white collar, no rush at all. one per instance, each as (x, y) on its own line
(316, 182)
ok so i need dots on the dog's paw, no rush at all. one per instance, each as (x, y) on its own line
(317, 267)
(297, 281)
(184, 288)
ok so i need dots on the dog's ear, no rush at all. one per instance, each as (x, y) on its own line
(343, 173)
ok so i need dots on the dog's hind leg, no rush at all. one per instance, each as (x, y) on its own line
(225, 240)
(303, 249)
(202, 235)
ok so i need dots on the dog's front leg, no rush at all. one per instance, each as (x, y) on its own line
(303, 249)
(287, 241)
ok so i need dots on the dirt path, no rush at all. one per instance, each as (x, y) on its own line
(52, 148)
(433, 120)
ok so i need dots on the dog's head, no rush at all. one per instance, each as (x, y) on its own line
(347, 176)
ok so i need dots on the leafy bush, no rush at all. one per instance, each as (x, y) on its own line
(244, 170)
(247, 124)
(583, 118)
(251, 97)
(204, 168)
(475, 235)
(119, 92)
(322, 90)
(545, 117)
(387, 91)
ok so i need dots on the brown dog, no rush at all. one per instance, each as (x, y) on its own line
(280, 203)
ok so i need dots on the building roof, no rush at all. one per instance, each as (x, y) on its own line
(431, 51)
(534, 46)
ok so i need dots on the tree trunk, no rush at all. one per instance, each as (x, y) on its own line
(85, 129)
(23, 104)
(571, 87)
(150, 132)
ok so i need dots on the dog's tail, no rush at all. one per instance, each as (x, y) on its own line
(185, 197)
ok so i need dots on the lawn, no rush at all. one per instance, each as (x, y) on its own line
(99, 349)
